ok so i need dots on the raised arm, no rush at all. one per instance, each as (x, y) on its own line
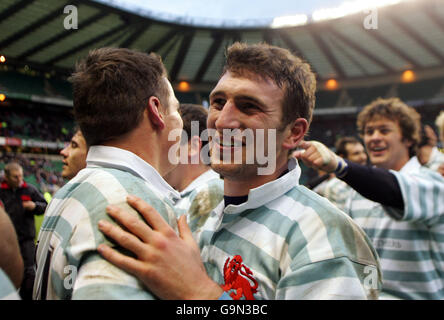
(376, 184)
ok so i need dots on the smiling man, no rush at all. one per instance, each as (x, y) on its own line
(270, 238)
(399, 205)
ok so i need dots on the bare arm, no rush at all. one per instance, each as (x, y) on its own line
(167, 263)
(11, 260)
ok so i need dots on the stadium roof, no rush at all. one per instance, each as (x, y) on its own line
(409, 35)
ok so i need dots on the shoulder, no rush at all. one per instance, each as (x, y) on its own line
(92, 191)
(327, 230)
(421, 178)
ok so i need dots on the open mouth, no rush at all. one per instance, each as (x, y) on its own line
(377, 150)
(228, 143)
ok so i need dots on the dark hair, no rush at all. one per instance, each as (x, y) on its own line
(393, 109)
(111, 87)
(193, 112)
(341, 144)
(288, 71)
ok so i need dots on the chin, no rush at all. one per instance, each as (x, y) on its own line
(227, 170)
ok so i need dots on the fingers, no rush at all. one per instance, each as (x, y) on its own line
(151, 216)
(304, 145)
(131, 222)
(184, 230)
(121, 261)
(123, 238)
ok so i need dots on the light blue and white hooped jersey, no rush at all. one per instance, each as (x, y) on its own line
(296, 244)
(410, 244)
(337, 192)
(68, 264)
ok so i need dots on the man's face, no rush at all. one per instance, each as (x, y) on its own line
(385, 144)
(14, 178)
(240, 103)
(356, 153)
(74, 156)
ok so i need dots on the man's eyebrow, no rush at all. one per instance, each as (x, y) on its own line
(249, 98)
(217, 93)
(238, 97)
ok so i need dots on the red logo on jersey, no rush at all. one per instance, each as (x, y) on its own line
(234, 281)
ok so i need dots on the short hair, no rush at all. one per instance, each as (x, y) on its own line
(111, 87)
(393, 109)
(341, 144)
(11, 166)
(439, 122)
(193, 112)
(288, 71)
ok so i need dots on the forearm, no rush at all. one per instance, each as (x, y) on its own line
(375, 184)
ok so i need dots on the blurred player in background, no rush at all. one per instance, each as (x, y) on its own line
(399, 204)
(74, 156)
(22, 201)
(201, 188)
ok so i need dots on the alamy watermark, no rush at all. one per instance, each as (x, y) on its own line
(232, 146)
(371, 19)
(71, 21)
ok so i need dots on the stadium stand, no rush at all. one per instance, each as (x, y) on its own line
(40, 54)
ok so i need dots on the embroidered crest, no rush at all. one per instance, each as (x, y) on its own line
(234, 280)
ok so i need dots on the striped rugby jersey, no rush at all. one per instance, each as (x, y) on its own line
(337, 192)
(7, 289)
(411, 250)
(200, 198)
(68, 264)
(296, 244)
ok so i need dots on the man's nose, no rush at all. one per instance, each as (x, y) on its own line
(228, 117)
(64, 152)
(376, 135)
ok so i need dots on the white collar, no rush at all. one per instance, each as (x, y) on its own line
(116, 158)
(203, 178)
(411, 166)
(269, 191)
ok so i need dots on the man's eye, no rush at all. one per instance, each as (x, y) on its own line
(218, 103)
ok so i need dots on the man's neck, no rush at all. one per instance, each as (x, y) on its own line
(191, 173)
(142, 144)
(240, 187)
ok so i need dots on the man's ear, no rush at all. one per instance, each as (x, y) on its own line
(154, 113)
(295, 133)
